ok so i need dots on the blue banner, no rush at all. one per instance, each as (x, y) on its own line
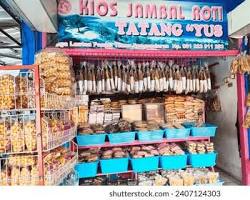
(144, 24)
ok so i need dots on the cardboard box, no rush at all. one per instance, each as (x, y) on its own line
(154, 111)
(132, 113)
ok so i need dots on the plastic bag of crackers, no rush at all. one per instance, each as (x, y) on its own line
(57, 72)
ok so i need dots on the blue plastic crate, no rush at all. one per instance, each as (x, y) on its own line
(177, 133)
(202, 160)
(145, 164)
(119, 138)
(87, 170)
(173, 162)
(115, 165)
(87, 140)
(155, 135)
(208, 130)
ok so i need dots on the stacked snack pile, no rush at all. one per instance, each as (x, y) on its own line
(90, 155)
(115, 152)
(7, 92)
(23, 169)
(199, 147)
(143, 151)
(172, 109)
(170, 149)
(240, 64)
(57, 72)
(182, 109)
(146, 125)
(90, 129)
(17, 136)
(120, 126)
(25, 92)
(16, 92)
(188, 177)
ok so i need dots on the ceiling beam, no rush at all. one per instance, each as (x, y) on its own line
(10, 56)
(7, 9)
(9, 47)
(2, 63)
(10, 37)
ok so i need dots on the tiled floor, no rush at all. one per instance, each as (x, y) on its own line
(228, 180)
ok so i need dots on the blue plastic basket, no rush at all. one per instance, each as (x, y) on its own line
(177, 133)
(119, 138)
(115, 165)
(156, 135)
(173, 162)
(145, 164)
(87, 170)
(208, 130)
(87, 140)
(202, 160)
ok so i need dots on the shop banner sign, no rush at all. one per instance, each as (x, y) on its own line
(142, 24)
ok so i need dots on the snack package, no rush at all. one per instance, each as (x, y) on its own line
(176, 181)
(57, 72)
(7, 91)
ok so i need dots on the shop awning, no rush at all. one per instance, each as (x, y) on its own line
(239, 20)
(40, 15)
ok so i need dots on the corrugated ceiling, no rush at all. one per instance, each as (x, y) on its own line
(10, 54)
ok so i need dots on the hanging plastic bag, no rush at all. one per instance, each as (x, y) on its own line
(90, 82)
(145, 77)
(132, 79)
(140, 76)
(112, 78)
(183, 78)
(115, 74)
(85, 81)
(93, 79)
(103, 78)
(148, 76)
(99, 81)
(124, 79)
(201, 81)
(119, 75)
(107, 78)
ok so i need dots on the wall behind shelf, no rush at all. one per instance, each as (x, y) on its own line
(226, 140)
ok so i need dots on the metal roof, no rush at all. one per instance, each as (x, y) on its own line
(10, 40)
